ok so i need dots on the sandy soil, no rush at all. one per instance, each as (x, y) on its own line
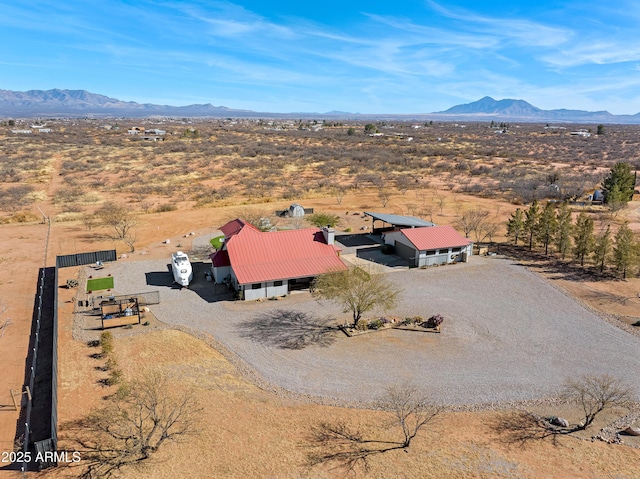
(262, 435)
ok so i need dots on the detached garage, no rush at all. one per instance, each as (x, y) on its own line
(430, 245)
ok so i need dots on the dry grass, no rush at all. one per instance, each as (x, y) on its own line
(247, 432)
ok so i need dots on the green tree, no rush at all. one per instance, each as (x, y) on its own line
(515, 225)
(532, 222)
(356, 290)
(625, 249)
(351, 131)
(602, 248)
(621, 176)
(323, 219)
(615, 200)
(564, 230)
(547, 226)
(583, 237)
(370, 128)
(600, 130)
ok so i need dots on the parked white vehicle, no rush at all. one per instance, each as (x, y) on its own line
(181, 267)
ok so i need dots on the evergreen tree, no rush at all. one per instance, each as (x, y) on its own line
(625, 250)
(565, 227)
(515, 225)
(582, 237)
(547, 226)
(531, 222)
(621, 176)
(602, 248)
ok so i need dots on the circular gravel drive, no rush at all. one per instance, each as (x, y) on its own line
(508, 335)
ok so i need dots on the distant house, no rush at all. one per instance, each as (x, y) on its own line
(431, 245)
(266, 264)
(583, 133)
(155, 131)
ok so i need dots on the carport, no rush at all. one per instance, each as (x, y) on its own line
(395, 222)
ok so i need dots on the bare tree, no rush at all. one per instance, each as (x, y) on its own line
(473, 221)
(595, 394)
(122, 220)
(339, 193)
(403, 183)
(410, 410)
(384, 195)
(142, 416)
(441, 200)
(258, 216)
(348, 448)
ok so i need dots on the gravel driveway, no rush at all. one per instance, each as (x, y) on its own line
(507, 335)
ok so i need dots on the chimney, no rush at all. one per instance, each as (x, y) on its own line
(329, 234)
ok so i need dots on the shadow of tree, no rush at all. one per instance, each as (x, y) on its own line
(345, 447)
(287, 329)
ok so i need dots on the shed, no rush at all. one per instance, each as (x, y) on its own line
(295, 211)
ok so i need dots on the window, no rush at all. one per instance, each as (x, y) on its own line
(456, 250)
(431, 252)
(277, 283)
(256, 286)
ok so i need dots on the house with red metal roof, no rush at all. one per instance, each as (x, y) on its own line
(430, 245)
(261, 264)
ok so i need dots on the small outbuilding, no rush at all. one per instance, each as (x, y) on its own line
(428, 246)
(295, 211)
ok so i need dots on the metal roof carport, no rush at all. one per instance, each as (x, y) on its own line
(397, 221)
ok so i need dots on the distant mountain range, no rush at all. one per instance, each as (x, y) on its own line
(78, 103)
(522, 111)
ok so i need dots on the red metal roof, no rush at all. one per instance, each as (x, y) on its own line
(220, 258)
(434, 237)
(257, 257)
(233, 227)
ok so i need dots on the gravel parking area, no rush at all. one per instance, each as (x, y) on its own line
(508, 335)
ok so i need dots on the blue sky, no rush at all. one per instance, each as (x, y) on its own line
(368, 57)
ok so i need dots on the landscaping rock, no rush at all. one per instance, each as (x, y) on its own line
(559, 421)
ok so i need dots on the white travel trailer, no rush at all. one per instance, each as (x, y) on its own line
(181, 267)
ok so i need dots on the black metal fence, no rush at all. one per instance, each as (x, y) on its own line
(41, 430)
(80, 259)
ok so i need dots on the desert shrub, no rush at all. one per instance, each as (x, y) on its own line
(376, 323)
(110, 364)
(106, 342)
(434, 321)
(115, 376)
(362, 325)
(166, 207)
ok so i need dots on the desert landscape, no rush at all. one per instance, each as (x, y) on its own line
(254, 414)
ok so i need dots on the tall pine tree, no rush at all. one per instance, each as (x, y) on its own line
(624, 251)
(602, 248)
(515, 225)
(531, 222)
(582, 237)
(547, 226)
(564, 230)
